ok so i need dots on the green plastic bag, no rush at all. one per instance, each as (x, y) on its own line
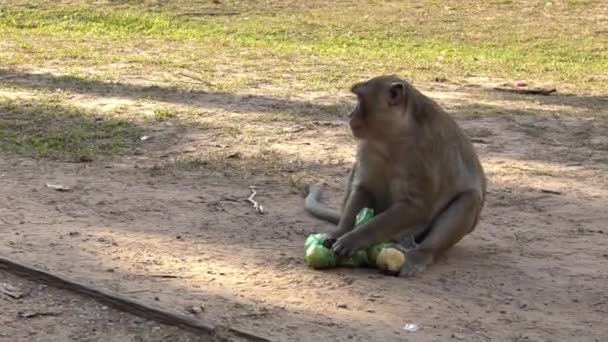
(319, 254)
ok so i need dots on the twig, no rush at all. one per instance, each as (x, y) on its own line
(530, 91)
(8, 77)
(211, 14)
(137, 291)
(163, 276)
(121, 302)
(256, 205)
(551, 191)
(479, 141)
(196, 79)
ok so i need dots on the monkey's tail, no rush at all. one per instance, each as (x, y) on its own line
(313, 206)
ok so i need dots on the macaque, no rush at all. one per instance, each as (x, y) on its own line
(415, 167)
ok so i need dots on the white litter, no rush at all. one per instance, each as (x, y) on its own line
(411, 327)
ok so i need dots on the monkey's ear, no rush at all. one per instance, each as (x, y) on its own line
(396, 93)
(356, 88)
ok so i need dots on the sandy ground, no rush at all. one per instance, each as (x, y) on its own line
(536, 269)
(35, 312)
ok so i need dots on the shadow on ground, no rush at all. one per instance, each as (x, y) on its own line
(197, 98)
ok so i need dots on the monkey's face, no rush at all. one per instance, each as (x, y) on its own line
(380, 109)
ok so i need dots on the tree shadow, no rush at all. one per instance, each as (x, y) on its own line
(51, 130)
(246, 103)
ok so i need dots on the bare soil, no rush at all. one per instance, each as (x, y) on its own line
(35, 312)
(536, 269)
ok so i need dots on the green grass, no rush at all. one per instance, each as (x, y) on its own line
(323, 47)
(45, 128)
(163, 114)
(183, 62)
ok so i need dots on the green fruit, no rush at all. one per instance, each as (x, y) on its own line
(357, 259)
(374, 250)
(319, 257)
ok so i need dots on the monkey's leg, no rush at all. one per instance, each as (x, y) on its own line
(449, 227)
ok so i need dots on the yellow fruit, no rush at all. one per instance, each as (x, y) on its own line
(390, 260)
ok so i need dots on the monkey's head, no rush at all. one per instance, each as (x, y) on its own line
(381, 107)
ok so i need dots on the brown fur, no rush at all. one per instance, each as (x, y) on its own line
(415, 167)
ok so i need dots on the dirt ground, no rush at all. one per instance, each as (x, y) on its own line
(536, 269)
(35, 312)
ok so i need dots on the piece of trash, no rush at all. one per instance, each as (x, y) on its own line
(58, 187)
(520, 83)
(10, 290)
(144, 138)
(411, 327)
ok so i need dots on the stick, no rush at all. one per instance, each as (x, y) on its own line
(8, 77)
(479, 141)
(168, 276)
(212, 14)
(256, 205)
(531, 91)
(196, 79)
(138, 291)
(121, 302)
(553, 192)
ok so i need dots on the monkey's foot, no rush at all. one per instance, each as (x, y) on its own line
(416, 263)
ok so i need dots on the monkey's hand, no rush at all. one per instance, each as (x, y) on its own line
(347, 243)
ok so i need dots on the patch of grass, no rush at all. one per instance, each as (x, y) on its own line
(44, 128)
(325, 46)
(139, 334)
(222, 334)
(163, 114)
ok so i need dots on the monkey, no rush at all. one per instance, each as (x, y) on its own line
(415, 167)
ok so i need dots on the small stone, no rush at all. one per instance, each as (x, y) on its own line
(85, 159)
(194, 309)
(342, 306)
(458, 336)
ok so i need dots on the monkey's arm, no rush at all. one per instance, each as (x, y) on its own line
(396, 220)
